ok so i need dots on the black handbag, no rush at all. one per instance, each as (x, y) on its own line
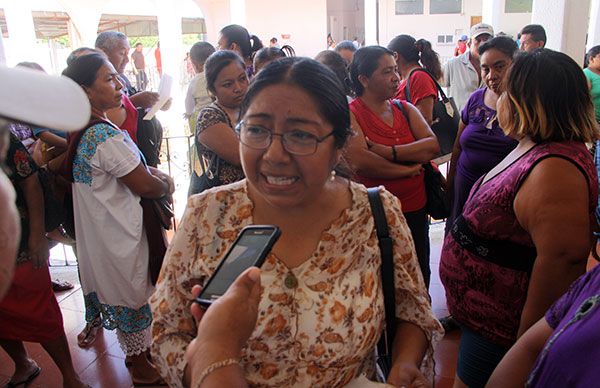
(436, 188)
(445, 116)
(386, 245)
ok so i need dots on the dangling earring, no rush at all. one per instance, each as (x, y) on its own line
(332, 175)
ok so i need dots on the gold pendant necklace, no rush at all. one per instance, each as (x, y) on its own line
(290, 281)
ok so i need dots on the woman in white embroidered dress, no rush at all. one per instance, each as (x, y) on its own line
(321, 310)
(108, 180)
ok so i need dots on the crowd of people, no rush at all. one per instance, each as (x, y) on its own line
(295, 142)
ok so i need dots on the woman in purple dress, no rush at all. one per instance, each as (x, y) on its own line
(481, 144)
(565, 343)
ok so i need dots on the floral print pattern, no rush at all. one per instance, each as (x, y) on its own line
(224, 171)
(485, 296)
(319, 322)
(20, 166)
(126, 319)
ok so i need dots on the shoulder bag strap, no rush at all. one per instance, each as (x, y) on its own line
(439, 88)
(400, 106)
(384, 346)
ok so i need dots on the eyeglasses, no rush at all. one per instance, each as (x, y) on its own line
(295, 142)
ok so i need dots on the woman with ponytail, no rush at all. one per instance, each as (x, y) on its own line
(414, 54)
(236, 38)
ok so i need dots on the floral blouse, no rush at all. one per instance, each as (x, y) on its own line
(318, 323)
(223, 171)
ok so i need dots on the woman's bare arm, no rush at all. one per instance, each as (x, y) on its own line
(516, 365)
(369, 164)
(422, 150)
(222, 141)
(552, 205)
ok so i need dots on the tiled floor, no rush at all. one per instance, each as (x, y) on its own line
(102, 365)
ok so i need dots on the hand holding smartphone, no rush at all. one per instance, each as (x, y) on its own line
(250, 249)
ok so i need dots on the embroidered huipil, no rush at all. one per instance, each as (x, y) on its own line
(316, 331)
(112, 248)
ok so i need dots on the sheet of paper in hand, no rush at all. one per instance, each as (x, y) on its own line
(164, 93)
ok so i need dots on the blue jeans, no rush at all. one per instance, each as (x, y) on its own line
(477, 358)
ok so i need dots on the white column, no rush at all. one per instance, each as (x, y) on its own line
(371, 22)
(594, 30)
(85, 17)
(85, 21)
(217, 14)
(238, 12)
(2, 54)
(566, 24)
(21, 31)
(492, 13)
(170, 36)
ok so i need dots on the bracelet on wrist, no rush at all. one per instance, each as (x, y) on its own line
(394, 155)
(213, 367)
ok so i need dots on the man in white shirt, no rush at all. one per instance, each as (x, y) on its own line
(462, 74)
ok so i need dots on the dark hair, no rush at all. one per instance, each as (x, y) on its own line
(315, 79)
(338, 65)
(31, 65)
(345, 45)
(273, 39)
(84, 69)
(216, 62)
(77, 53)
(200, 52)
(549, 99)
(268, 54)
(365, 62)
(237, 34)
(138, 44)
(536, 31)
(504, 44)
(415, 51)
(591, 54)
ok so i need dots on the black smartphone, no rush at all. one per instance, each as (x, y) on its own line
(250, 249)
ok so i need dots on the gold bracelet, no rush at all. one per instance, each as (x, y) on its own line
(214, 366)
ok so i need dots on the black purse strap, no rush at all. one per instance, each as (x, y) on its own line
(384, 346)
(399, 105)
(439, 88)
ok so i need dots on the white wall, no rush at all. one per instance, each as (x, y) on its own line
(305, 21)
(217, 14)
(345, 19)
(430, 26)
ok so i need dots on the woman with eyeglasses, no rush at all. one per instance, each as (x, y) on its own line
(393, 141)
(216, 141)
(321, 310)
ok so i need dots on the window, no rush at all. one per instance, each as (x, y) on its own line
(409, 7)
(445, 39)
(445, 6)
(518, 6)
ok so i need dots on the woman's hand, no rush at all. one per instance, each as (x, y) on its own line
(230, 319)
(406, 374)
(38, 250)
(414, 170)
(163, 177)
(224, 328)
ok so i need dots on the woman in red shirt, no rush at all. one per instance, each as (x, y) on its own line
(412, 55)
(389, 149)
